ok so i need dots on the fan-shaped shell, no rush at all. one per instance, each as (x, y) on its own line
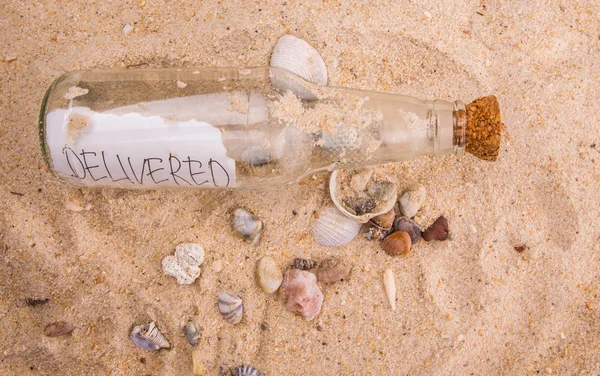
(248, 225)
(148, 337)
(231, 307)
(397, 243)
(246, 370)
(333, 229)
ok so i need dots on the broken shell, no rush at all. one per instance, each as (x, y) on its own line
(397, 243)
(192, 334)
(302, 293)
(185, 265)
(296, 56)
(390, 287)
(411, 201)
(231, 307)
(375, 233)
(269, 275)
(410, 226)
(304, 264)
(148, 337)
(247, 224)
(437, 231)
(333, 269)
(246, 370)
(58, 328)
(197, 365)
(384, 221)
(333, 229)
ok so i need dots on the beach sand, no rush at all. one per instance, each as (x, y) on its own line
(469, 306)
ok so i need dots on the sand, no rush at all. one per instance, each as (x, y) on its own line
(469, 306)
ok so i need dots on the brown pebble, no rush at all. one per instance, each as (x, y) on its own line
(520, 248)
(397, 243)
(58, 328)
(333, 269)
(437, 231)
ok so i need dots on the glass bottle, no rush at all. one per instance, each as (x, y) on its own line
(232, 128)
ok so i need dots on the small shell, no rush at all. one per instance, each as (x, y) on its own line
(304, 264)
(269, 275)
(185, 264)
(384, 221)
(148, 337)
(333, 269)
(333, 229)
(410, 226)
(231, 307)
(247, 224)
(437, 231)
(390, 287)
(192, 334)
(375, 233)
(246, 371)
(58, 328)
(411, 201)
(197, 365)
(302, 293)
(397, 243)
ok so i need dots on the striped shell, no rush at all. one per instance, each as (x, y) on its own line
(333, 229)
(304, 264)
(231, 307)
(246, 370)
(248, 225)
(148, 337)
(192, 334)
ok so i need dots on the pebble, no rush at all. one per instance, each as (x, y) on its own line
(10, 58)
(74, 205)
(333, 269)
(269, 275)
(58, 328)
(127, 29)
(437, 231)
(411, 201)
(302, 293)
(217, 266)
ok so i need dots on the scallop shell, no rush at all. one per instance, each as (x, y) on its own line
(363, 218)
(148, 337)
(304, 264)
(231, 307)
(269, 275)
(333, 229)
(247, 224)
(185, 264)
(389, 284)
(192, 334)
(397, 243)
(246, 370)
(296, 56)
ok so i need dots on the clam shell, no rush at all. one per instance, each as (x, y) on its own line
(333, 229)
(296, 56)
(363, 218)
(389, 284)
(304, 264)
(192, 334)
(185, 264)
(384, 221)
(231, 307)
(410, 226)
(246, 370)
(397, 243)
(269, 275)
(248, 225)
(148, 337)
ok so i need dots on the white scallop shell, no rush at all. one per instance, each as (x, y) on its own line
(390, 287)
(148, 337)
(231, 307)
(247, 224)
(185, 264)
(296, 56)
(334, 229)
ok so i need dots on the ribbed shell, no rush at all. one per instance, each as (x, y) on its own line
(231, 307)
(296, 56)
(334, 229)
(248, 225)
(148, 337)
(246, 370)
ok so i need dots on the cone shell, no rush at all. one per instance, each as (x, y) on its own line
(231, 307)
(269, 275)
(397, 243)
(248, 225)
(333, 229)
(148, 337)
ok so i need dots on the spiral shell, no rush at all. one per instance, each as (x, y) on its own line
(231, 307)
(333, 229)
(148, 337)
(248, 225)
(246, 370)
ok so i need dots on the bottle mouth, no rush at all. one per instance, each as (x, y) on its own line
(459, 137)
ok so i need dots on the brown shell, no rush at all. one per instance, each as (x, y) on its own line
(397, 243)
(333, 269)
(437, 231)
(384, 221)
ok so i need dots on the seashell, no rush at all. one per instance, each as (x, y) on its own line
(333, 229)
(148, 337)
(333, 269)
(197, 365)
(192, 334)
(410, 226)
(375, 233)
(185, 265)
(390, 287)
(302, 293)
(231, 307)
(411, 201)
(269, 275)
(397, 243)
(58, 328)
(296, 56)
(437, 231)
(384, 221)
(380, 198)
(247, 224)
(304, 264)
(246, 370)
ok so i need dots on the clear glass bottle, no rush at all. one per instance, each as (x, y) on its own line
(230, 128)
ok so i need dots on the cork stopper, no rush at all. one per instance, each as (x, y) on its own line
(484, 128)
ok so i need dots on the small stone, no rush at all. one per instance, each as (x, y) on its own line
(437, 231)
(333, 269)
(217, 266)
(10, 58)
(181, 84)
(269, 275)
(520, 248)
(58, 328)
(589, 305)
(302, 293)
(411, 201)
(127, 29)
(74, 205)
